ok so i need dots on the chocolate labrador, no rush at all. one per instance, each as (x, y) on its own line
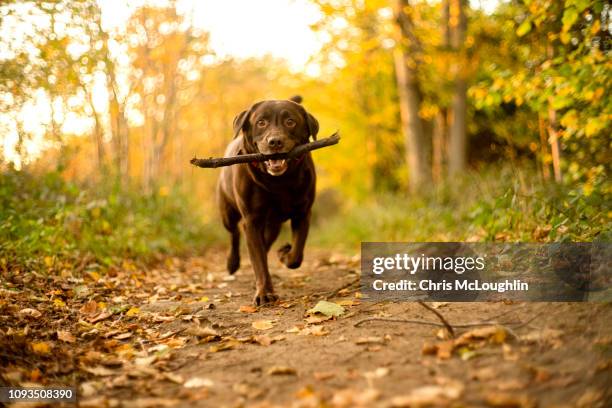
(263, 195)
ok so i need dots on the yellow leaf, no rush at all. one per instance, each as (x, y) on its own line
(203, 299)
(94, 276)
(59, 303)
(132, 312)
(41, 347)
(48, 261)
(263, 324)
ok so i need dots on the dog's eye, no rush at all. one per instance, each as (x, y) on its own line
(262, 123)
(290, 122)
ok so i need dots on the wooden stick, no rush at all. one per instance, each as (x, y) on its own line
(259, 157)
(449, 328)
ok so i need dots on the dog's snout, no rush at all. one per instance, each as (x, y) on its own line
(275, 143)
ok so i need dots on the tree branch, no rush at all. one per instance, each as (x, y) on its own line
(259, 157)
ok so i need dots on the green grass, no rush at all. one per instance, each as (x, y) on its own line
(45, 221)
(500, 205)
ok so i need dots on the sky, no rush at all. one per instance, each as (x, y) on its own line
(243, 28)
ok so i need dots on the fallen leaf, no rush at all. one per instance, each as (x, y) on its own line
(349, 398)
(247, 309)
(197, 382)
(123, 336)
(40, 347)
(59, 303)
(327, 308)
(223, 346)
(200, 331)
(436, 395)
(28, 312)
(314, 331)
(100, 317)
(281, 370)
(132, 312)
(89, 308)
(505, 400)
(99, 371)
(175, 378)
(315, 319)
(380, 372)
(152, 402)
(263, 324)
(65, 336)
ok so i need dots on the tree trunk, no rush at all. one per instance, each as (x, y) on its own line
(555, 148)
(543, 149)
(438, 145)
(410, 101)
(457, 131)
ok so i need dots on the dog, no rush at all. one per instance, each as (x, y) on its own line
(261, 196)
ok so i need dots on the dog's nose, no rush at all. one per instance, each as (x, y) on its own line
(275, 143)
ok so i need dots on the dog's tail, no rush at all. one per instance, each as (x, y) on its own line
(296, 99)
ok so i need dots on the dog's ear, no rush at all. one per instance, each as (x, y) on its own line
(296, 99)
(240, 121)
(313, 125)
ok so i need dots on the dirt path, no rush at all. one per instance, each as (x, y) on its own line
(184, 334)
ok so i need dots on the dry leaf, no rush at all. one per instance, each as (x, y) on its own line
(197, 382)
(40, 347)
(65, 336)
(436, 395)
(200, 331)
(132, 312)
(380, 372)
(504, 400)
(315, 319)
(89, 308)
(281, 370)
(350, 398)
(123, 336)
(314, 331)
(223, 346)
(100, 317)
(28, 312)
(99, 371)
(247, 309)
(263, 324)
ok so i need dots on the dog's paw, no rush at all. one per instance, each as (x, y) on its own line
(233, 263)
(263, 297)
(288, 258)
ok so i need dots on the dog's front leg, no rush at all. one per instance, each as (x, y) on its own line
(293, 254)
(254, 232)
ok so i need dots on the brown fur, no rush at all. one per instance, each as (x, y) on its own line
(250, 194)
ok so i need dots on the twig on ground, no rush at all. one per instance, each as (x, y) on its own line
(259, 157)
(436, 324)
(446, 324)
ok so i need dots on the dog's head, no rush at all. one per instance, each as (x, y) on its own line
(275, 126)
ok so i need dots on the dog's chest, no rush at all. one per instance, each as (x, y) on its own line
(284, 206)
